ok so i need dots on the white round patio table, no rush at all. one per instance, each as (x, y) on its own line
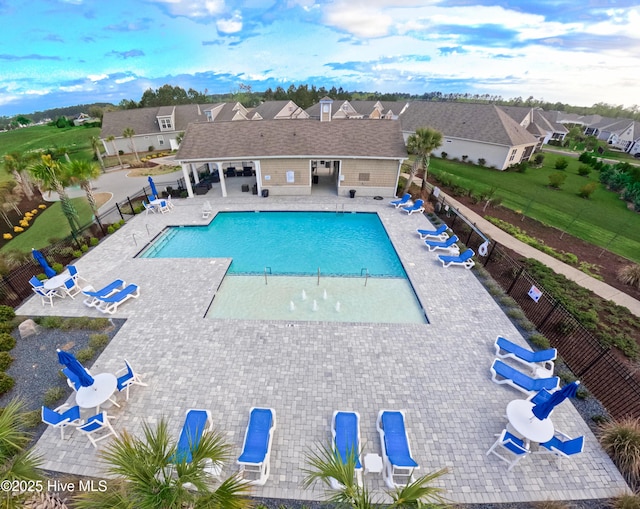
(520, 415)
(103, 387)
(56, 281)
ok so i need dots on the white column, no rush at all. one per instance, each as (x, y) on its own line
(187, 180)
(194, 170)
(256, 164)
(223, 184)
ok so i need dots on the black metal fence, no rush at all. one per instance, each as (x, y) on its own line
(603, 371)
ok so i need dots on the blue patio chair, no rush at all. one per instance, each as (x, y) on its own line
(71, 288)
(345, 432)
(35, 282)
(405, 200)
(110, 304)
(418, 206)
(127, 377)
(506, 349)
(514, 447)
(447, 245)
(464, 259)
(256, 449)
(73, 271)
(61, 417)
(94, 296)
(540, 397)
(440, 233)
(97, 424)
(562, 446)
(398, 464)
(148, 208)
(45, 295)
(504, 374)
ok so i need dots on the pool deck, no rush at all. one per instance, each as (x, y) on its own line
(438, 372)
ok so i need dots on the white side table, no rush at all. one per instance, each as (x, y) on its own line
(372, 464)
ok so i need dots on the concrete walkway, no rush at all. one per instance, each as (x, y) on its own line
(598, 287)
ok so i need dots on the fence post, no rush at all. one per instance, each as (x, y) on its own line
(119, 211)
(470, 234)
(515, 279)
(133, 212)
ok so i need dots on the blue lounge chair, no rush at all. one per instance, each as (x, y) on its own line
(61, 417)
(448, 245)
(464, 259)
(416, 207)
(196, 423)
(440, 233)
(256, 450)
(110, 304)
(562, 446)
(398, 465)
(345, 432)
(506, 349)
(504, 374)
(512, 445)
(107, 291)
(405, 200)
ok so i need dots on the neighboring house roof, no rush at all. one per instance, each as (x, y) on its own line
(144, 120)
(302, 138)
(359, 109)
(574, 118)
(612, 125)
(479, 122)
(550, 118)
(271, 110)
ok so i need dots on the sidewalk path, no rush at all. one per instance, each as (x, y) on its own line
(598, 287)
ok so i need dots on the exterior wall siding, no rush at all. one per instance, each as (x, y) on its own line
(276, 170)
(382, 177)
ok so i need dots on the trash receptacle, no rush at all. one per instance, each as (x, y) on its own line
(254, 189)
(352, 193)
(315, 179)
(265, 193)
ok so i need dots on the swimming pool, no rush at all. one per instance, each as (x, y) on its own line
(355, 266)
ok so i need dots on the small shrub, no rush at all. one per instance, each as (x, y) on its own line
(51, 322)
(116, 226)
(7, 313)
(561, 163)
(515, 314)
(556, 180)
(5, 361)
(540, 341)
(6, 327)
(98, 341)
(85, 354)
(7, 342)
(482, 161)
(443, 154)
(93, 241)
(630, 275)
(151, 148)
(621, 440)
(77, 253)
(538, 159)
(6, 383)
(587, 190)
(58, 267)
(84, 248)
(110, 229)
(584, 170)
(627, 501)
(52, 396)
(551, 504)
(32, 419)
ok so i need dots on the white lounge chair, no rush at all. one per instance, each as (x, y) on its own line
(256, 450)
(440, 233)
(446, 245)
(418, 207)
(464, 259)
(506, 349)
(206, 210)
(94, 296)
(110, 304)
(502, 373)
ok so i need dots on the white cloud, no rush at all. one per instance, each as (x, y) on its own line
(359, 20)
(230, 25)
(120, 81)
(97, 77)
(40, 91)
(194, 8)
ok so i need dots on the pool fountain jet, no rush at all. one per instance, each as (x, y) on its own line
(324, 295)
(292, 306)
(338, 306)
(304, 295)
(315, 305)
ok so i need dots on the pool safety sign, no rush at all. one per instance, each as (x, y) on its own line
(535, 294)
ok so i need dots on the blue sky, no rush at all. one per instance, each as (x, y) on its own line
(65, 52)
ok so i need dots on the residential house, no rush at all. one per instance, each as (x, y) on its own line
(472, 132)
(615, 131)
(277, 110)
(358, 109)
(539, 123)
(291, 157)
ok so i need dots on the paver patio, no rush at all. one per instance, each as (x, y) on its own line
(437, 372)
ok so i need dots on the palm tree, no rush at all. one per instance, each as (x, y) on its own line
(95, 145)
(16, 163)
(326, 464)
(424, 141)
(147, 478)
(16, 463)
(112, 139)
(130, 133)
(52, 177)
(83, 172)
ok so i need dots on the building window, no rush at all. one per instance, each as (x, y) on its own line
(513, 154)
(165, 124)
(160, 140)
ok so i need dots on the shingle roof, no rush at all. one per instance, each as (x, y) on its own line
(481, 122)
(302, 138)
(269, 109)
(143, 120)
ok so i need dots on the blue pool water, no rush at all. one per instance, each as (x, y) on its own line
(287, 243)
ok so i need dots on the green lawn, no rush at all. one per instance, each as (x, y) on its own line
(50, 224)
(603, 220)
(74, 139)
